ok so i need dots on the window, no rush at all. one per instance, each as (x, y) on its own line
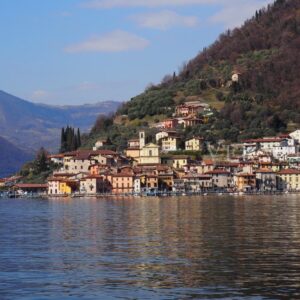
(150, 152)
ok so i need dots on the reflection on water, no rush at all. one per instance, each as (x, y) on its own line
(150, 248)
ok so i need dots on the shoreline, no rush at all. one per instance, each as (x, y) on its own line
(165, 195)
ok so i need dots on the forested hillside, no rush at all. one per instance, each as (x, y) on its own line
(264, 54)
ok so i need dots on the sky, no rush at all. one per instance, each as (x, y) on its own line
(86, 51)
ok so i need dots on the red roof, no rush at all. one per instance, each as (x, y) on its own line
(289, 171)
(122, 175)
(217, 171)
(85, 153)
(264, 140)
(208, 162)
(56, 155)
(93, 177)
(264, 170)
(31, 186)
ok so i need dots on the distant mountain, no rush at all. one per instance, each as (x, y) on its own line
(11, 158)
(29, 125)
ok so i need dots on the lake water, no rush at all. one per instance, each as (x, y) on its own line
(149, 248)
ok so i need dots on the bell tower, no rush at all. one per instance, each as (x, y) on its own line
(142, 139)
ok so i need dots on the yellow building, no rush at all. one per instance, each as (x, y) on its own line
(288, 179)
(244, 182)
(133, 152)
(149, 154)
(179, 161)
(61, 186)
(170, 143)
(194, 144)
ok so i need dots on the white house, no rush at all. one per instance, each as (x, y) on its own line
(287, 147)
(296, 135)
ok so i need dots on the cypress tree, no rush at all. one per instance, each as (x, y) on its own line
(78, 138)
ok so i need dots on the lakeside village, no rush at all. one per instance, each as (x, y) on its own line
(265, 165)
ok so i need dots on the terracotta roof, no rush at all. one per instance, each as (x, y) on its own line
(264, 140)
(31, 185)
(244, 175)
(203, 176)
(264, 170)
(90, 153)
(227, 164)
(289, 171)
(56, 156)
(208, 162)
(122, 175)
(217, 171)
(92, 177)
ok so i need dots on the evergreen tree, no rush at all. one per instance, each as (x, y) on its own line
(40, 163)
(78, 138)
(70, 141)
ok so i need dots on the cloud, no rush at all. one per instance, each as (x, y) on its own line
(231, 13)
(234, 14)
(115, 41)
(145, 3)
(39, 95)
(164, 20)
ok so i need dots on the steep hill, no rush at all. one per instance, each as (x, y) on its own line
(30, 125)
(264, 55)
(12, 158)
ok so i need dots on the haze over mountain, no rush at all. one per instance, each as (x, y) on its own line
(29, 125)
(11, 158)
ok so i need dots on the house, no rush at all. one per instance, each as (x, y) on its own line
(266, 180)
(170, 123)
(245, 182)
(221, 179)
(122, 183)
(97, 169)
(179, 161)
(134, 143)
(170, 143)
(164, 133)
(81, 160)
(99, 144)
(133, 153)
(31, 188)
(94, 184)
(279, 147)
(190, 121)
(137, 184)
(288, 180)
(294, 159)
(56, 158)
(287, 147)
(295, 135)
(194, 144)
(149, 183)
(165, 178)
(150, 154)
(206, 165)
(62, 186)
(190, 109)
(197, 182)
